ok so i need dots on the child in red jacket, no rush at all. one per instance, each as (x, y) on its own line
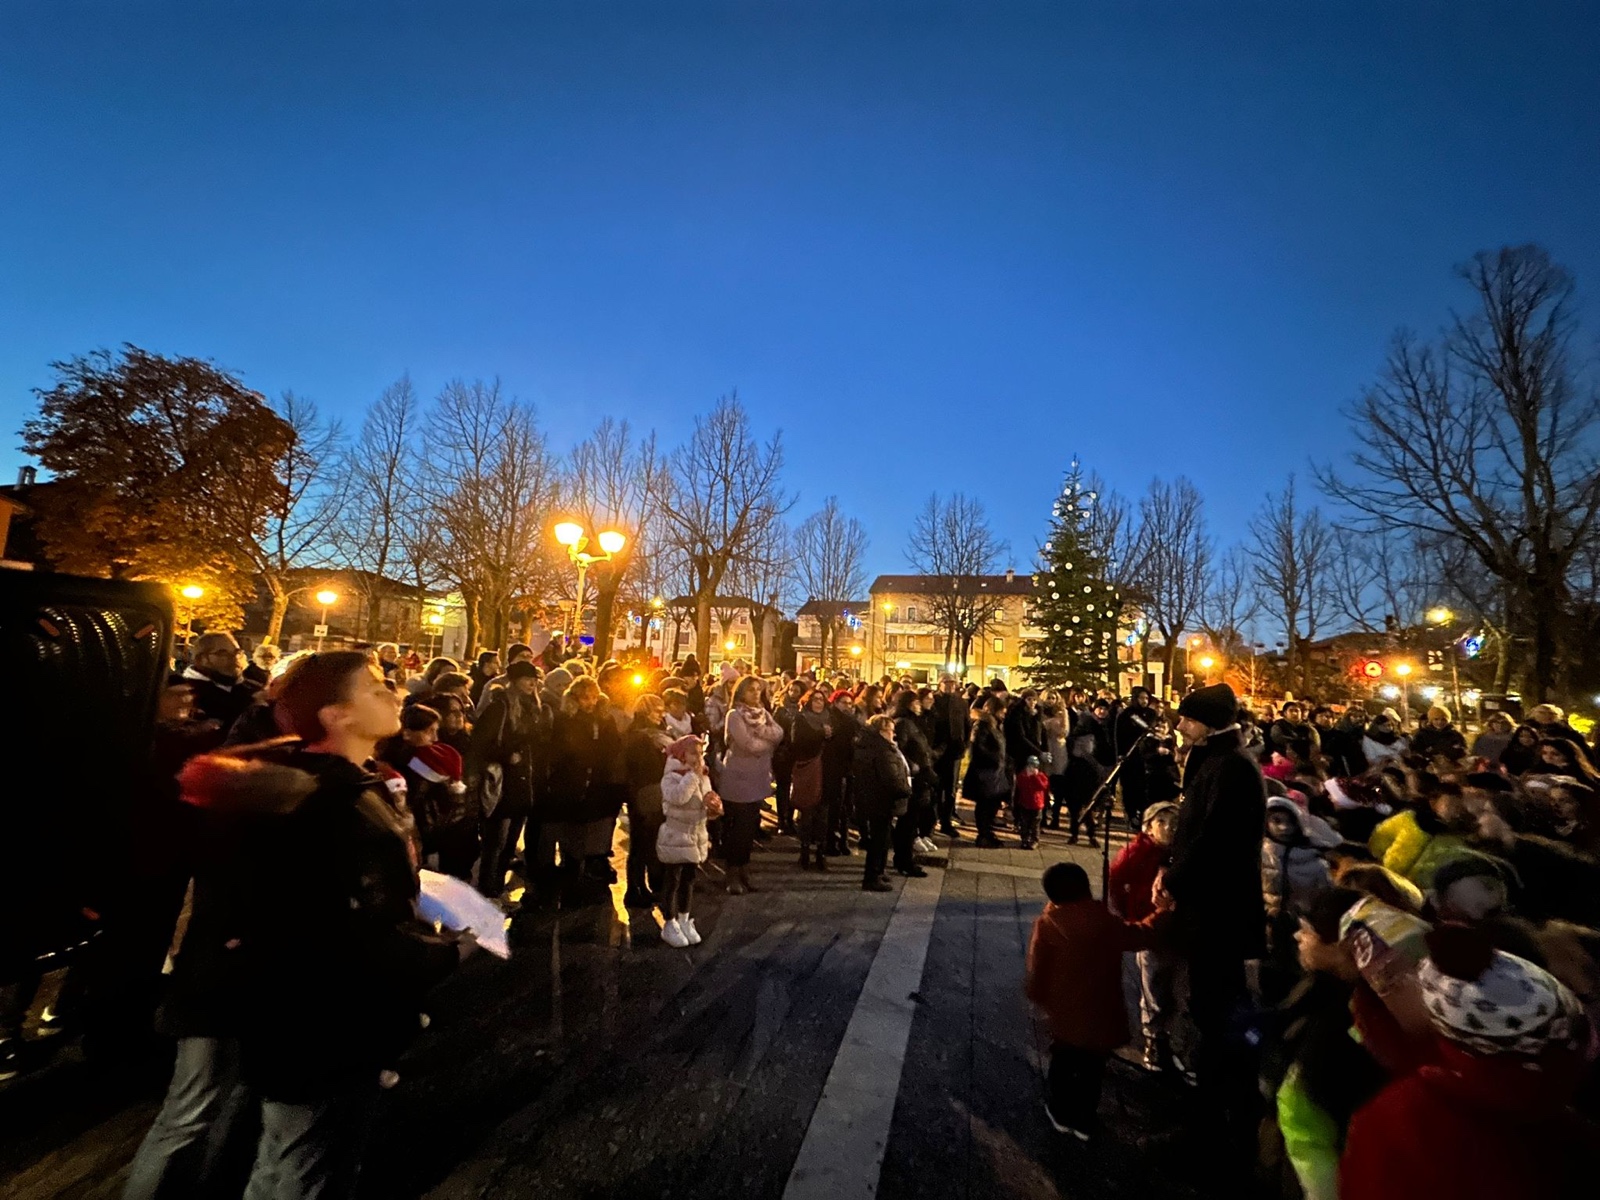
(1492, 1116)
(1033, 786)
(1133, 879)
(1075, 978)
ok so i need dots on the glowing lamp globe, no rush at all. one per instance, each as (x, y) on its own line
(568, 533)
(193, 592)
(611, 541)
(327, 599)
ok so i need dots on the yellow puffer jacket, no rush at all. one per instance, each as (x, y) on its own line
(1407, 849)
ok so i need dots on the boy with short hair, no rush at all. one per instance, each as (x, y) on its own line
(1074, 975)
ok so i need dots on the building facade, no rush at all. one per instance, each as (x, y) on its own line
(905, 636)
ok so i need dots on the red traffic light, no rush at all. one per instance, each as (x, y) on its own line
(1372, 669)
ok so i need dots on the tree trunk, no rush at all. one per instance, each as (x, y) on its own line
(605, 599)
(1169, 659)
(470, 604)
(280, 608)
(702, 629)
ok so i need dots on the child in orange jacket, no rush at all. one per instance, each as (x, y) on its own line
(1075, 978)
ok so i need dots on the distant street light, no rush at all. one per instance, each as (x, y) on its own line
(327, 599)
(1441, 615)
(435, 621)
(570, 534)
(190, 592)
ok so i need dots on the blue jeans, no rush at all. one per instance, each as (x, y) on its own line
(312, 1151)
(204, 1102)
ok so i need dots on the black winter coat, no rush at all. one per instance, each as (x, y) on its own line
(586, 753)
(951, 722)
(1341, 746)
(304, 939)
(1433, 743)
(510, 733)
(880, 782)
(987, 777)
(1294, 741)
(913, 744)
(1025, 737)
(1215, 873)
(1131, 722)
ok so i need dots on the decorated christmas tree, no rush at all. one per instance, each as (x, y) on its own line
(1074, 607)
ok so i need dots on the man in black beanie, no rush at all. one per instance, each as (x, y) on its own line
(1215, 882)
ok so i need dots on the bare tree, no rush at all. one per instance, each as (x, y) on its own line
(1290, 556)
(1375, 579)
(380, 470)
(612, 481)
(721, 493)
(830, 551)
(1486, 439)
(301, 512)
(1229, 602)
(1171, 558)
(764, 579)
(952, 541)
(491, 484)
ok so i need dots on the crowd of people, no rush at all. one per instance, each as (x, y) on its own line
(1386, 932)
(1371, 950)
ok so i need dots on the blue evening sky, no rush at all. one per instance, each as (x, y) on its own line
(939, 245)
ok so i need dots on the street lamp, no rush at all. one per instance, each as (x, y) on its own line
(883, 640)
(570, 534)
(855, 653)
(1403, 670)
(1442, 616)
(1188, 666)
(435, 621)
(327, 599)
(190, 592)
(1206, 663)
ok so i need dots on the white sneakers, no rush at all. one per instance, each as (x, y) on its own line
(924, 846)
(679, 932)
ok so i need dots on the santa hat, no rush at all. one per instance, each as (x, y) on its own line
(438, 763)
(680, 748)
(841, 694)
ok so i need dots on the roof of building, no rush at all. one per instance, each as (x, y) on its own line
(832, 608)
(1012, 583)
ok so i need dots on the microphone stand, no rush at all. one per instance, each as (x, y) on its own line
(1103, 792)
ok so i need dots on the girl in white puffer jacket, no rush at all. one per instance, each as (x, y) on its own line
(682, 844)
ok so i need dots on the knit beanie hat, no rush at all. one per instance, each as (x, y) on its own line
(1215, 707)
(680, 749)
(439, 763)
(522, 669)
(1491, 1002)
(1166, 807)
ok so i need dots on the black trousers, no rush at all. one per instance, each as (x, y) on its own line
(1224, 1065)
(1074, 1083)
(1058, 799)
(875, 839)
(783, 777)
(905, 832)
(987, 807)
(677, 889)
(945, 771)
(739, 824)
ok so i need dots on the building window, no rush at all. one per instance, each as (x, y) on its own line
(894, 641)
(911, 612)
(911, 645)
(999, 645)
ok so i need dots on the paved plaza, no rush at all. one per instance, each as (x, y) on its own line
(821, 1042)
